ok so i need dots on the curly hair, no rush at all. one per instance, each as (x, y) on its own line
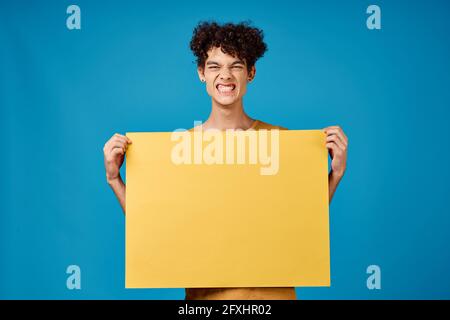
(239, 40)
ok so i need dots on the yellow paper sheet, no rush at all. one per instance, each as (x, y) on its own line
(227, 225)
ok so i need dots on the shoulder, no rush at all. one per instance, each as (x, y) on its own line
(264, 125)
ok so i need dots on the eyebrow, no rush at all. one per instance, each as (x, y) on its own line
(234, 62)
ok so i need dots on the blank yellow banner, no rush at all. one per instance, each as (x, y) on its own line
(211, 223)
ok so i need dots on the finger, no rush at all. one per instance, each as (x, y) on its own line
(337, 140)
(340, 130)
(117, 151)
(337, 151)
(335, 132)
(115, 139)
(330, 127)
(117, 144)
(122, 136)
(342, 133)
(120, 140)
(127, 140)
(339, 134)
(331, 146)
(119, 135)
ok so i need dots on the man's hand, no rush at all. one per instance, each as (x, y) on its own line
(114, 152)
(336, 143)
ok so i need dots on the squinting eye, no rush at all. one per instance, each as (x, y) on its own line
(213, 67)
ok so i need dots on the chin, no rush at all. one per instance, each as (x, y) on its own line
(226, 102)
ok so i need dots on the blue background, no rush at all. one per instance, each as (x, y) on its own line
(63, 93)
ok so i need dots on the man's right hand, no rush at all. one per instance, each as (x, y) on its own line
(114, 152)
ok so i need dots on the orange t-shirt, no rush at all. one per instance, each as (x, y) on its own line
(271, 293)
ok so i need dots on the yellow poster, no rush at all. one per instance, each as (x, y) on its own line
(227, 209)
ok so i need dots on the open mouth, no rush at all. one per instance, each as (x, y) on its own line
(225, 89)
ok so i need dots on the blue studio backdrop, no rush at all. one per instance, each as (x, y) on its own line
(64, 92)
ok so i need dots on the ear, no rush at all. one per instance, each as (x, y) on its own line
(251, 74)
(201, 74)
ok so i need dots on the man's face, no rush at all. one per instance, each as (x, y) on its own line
(226, 77)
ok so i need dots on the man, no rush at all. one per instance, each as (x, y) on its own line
(226, 56)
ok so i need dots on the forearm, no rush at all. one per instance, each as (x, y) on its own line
(333, 181)
(119, 190)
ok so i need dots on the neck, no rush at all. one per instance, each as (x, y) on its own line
(228, 117)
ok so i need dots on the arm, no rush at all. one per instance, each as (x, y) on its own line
(333, 181)
(118, 186)
(114, 153)
(336, 143)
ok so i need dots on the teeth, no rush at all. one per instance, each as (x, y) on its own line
(225, 88)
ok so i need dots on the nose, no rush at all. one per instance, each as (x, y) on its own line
(225, 74)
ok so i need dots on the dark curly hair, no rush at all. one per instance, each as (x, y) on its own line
(239, 40)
